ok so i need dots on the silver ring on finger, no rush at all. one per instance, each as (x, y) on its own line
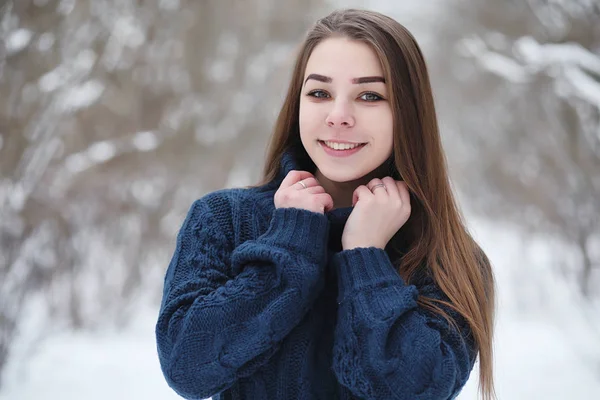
(303, 185)
(376, 186)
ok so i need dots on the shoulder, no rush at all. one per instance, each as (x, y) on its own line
(220, 202)
(227, 207)
(235, 199)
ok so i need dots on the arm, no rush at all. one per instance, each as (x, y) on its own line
(385, 346)
(213, 329)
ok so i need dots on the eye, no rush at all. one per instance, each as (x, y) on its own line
(319, 94)
(371, 97)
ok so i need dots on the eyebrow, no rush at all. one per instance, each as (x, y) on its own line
(364, 79)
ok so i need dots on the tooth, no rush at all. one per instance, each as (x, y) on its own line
(341, 146)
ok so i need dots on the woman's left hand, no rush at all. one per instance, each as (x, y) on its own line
(379, 212)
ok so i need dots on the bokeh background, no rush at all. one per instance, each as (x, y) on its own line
(115, 115)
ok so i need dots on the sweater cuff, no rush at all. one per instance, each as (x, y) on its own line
(363, 267)
(299, 230)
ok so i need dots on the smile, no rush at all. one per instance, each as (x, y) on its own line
(341, 149)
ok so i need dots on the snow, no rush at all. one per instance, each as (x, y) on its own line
(540, 354)
(18, 40)
(543, 55)
(93, 366)
(220, 71)
(103, 151)
(546, 344)
(68, 73)
(66, 7)
(503, 66)
(584, 85)
(128, 32)
(145, 141)
(569, 62)
(52, 80)
(77, 162)
(81, 96)
(46, 41)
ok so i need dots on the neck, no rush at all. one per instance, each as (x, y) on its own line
(341, 192)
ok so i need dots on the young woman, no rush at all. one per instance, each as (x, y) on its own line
(348, 272)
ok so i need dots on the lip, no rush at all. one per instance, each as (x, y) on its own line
(339, 141)
(340, 153)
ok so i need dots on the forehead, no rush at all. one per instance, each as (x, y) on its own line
(342, 58)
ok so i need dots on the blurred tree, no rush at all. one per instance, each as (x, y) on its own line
(522, 80)
(114, 116)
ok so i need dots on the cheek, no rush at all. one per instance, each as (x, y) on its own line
(381, 123)
(308, 118)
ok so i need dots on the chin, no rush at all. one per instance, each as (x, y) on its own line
(341, 176)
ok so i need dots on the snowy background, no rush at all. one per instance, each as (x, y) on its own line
(116, 115)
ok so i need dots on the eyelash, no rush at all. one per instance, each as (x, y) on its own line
(379, 98)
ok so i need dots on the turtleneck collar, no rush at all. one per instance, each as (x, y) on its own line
(338, 217)
(291, 161)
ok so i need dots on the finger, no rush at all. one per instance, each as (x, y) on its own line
(390, 185)
(372, 183)
(309, 182)
(359, 193)
(403, 191)
(293, 177)
(326, 200)
(378, 191)
(315, 189)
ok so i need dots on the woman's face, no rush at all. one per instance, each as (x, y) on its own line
(344, 103)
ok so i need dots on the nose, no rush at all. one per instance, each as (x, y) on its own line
(340, 116)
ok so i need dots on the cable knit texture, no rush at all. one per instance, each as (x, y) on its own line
(262, 303)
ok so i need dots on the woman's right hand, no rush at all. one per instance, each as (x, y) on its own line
(291, 193)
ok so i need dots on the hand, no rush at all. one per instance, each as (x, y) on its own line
(377, 215)
(291, 193)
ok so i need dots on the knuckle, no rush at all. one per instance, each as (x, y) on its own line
(284, 196)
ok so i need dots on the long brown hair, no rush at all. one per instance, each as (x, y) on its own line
(435, 234)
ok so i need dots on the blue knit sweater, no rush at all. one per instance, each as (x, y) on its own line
(262, 303)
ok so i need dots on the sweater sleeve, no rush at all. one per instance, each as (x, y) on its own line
(385, 345)
(214, 328)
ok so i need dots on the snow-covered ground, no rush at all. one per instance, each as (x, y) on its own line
(92, 366)
(547, 343)
(540, 353)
